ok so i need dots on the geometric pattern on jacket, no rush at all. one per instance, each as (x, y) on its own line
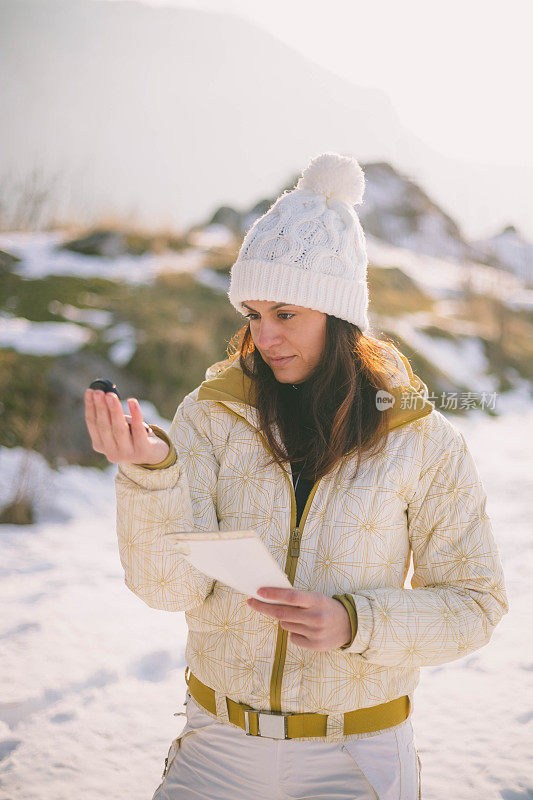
(422, 494)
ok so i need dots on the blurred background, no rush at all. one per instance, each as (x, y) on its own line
(138, 143)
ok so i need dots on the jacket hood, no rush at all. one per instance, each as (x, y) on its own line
(226, 383)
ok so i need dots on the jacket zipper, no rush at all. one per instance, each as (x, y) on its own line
(294, 542)
(293, 553)
(290, 570)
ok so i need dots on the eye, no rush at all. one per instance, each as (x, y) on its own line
(285, 314)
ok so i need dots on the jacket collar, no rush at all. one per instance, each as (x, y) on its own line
(227, 384)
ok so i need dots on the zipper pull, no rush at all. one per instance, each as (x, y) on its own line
(294, 546)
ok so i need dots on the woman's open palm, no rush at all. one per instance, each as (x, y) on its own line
(110, 432)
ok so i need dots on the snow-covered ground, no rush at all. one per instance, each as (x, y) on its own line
(442, 278)
(41, 257)
(91, 677)
(439, 277)
(42, 338)
(462, 359)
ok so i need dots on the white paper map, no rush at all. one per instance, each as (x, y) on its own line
(237, 558)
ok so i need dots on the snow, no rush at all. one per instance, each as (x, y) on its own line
(42, 338)
(464, 357)
(95, 317)
(213, 235)
(124, 337)
(443, 278)
(462, 360)
(521, 300)
(91, 677)
(188, 260)
(512, 251)
(218, 281)
(40, 257)
(440, 278)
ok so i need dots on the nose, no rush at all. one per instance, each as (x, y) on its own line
(267, 335)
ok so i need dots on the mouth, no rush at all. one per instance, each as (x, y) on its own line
(278, 362)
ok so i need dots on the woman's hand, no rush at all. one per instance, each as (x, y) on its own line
(110, 433)
(315, 621)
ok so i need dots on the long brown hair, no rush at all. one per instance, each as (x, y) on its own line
(338, 401)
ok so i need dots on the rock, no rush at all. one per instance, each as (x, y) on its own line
(18, 512)
(229, 217)
(98, 243)
(7, 261)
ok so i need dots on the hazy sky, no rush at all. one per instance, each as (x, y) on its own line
(458, 73)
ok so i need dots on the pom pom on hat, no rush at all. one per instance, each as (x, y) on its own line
(334, 176)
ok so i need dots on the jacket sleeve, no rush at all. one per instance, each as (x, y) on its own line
(152, 502)
(458, 594)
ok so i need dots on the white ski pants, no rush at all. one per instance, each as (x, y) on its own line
(211, 760)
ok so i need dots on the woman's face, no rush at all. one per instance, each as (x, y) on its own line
(294, 333)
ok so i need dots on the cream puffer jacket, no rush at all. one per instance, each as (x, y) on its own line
(422, 494)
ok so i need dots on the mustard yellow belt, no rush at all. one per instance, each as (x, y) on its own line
(279, 725)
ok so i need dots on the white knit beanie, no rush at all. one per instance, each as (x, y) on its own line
(309, 248)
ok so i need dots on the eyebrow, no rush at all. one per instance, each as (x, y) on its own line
(278, 305)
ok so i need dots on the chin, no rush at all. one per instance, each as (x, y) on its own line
(287, 376)
(284, 379)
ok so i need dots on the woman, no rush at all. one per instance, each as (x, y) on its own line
(312, 695)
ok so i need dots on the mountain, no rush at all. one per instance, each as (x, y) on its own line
(397, 211)
(159, 115)
(508, 250)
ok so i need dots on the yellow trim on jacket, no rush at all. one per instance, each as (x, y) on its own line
(171, 457)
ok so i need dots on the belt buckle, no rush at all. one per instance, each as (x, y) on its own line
(272, 724)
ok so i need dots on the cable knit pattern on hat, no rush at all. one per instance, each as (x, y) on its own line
(309, 248)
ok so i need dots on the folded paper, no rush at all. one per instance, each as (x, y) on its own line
(236, 558)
